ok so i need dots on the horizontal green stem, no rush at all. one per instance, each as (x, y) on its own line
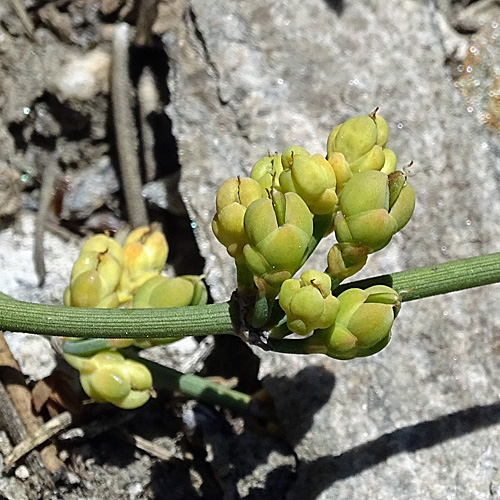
(443, 278)
(197, 387)
(17, 316)
(219, 318)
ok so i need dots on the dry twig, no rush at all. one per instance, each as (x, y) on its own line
(49, 178)
(43, 434)
(10, 421)
(125, 130)
(20, 396)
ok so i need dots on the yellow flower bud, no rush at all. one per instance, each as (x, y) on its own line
(360, 142)
(233, 198)
(344, 260)
(96, 274)
(145, 253)
(171, 292)
(266, 172)
(373, 207)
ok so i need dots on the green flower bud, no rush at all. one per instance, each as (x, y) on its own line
(308, 302)
(401, 199)
(109, 377)
(233, 198)
(171, 292)
(363, 323)
(341, 168)
(390, 162)
(311, 177)
(373, 160)
(96, 274)
(87, 291)
(278, 232)
(382, 128)
(266, 172)
(354, 138)
(366, 215)
(344, 260)
(291, 154)
(361, 141)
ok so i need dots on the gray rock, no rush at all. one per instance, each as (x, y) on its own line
(417, 420)
(91, 187)
(18, 279)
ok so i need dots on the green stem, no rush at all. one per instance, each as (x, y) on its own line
(289, 346)
(192, 385)
(443, 278)
(321, 225)
(220, 318)
(175, 322)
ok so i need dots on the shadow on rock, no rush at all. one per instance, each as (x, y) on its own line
(318, 475)
(298, 399)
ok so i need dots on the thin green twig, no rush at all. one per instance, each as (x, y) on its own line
(192, 385)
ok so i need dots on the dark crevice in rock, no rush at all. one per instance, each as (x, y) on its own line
(336, 5)
(211, 64)
(184, 253)
(206, 53)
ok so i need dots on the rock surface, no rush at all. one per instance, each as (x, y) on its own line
(420, 419)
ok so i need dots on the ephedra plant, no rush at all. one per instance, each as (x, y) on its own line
(117, 300)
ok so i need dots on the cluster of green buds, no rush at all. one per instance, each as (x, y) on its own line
(272, 221)
(109, 377)
(362, 326)
(107, 275)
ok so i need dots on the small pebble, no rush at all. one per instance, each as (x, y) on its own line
(22, 472)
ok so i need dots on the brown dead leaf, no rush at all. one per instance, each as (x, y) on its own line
(56, 393)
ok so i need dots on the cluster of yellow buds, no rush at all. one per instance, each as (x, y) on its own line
(144, 254)
(272, 221)
(107, 275)
(96, 274)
